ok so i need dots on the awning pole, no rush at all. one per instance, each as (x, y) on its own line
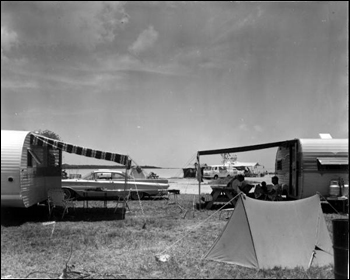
(125, 183)
(199, 178)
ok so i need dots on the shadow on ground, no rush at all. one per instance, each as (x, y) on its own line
(39, 214)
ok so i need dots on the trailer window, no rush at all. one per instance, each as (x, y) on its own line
(279, 165)
(32, 155)
(29, 159)
(333, 164)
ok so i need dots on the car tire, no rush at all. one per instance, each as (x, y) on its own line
(68, 194)
(216, 177)
(137, 196)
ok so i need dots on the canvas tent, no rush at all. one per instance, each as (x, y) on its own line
(137, 172)
(191, 171)
(263, 234)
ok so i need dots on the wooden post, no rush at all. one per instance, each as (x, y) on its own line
(199, 178)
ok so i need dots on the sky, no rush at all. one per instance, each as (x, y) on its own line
(159, 81)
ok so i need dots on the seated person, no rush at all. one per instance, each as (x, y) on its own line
(275, 193)
(260, 191)
(241, 185)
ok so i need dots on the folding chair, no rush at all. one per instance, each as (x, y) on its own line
(56, 198)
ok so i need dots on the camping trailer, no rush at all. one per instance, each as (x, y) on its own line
(31, 164)
(28, 171)
(306, 166)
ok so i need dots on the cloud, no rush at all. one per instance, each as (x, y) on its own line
(243, 127)
(232, 23)
(258, 128)
(145, 41)
(8, 40)
(78, 24)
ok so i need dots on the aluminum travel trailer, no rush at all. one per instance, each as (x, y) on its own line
(27, 171)
(306, 166)
(31, 164)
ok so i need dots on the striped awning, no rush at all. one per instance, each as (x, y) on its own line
(40, 140)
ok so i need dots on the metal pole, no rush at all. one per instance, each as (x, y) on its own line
(199, 178)
(125, 183)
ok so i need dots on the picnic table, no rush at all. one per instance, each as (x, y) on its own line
(220, 193)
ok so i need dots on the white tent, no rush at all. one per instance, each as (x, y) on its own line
(264, 234)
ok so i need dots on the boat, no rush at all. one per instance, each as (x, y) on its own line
(107, 184)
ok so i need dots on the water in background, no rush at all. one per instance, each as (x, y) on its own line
(166, 173)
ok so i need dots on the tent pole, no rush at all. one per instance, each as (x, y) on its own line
(199, 178)
(311, 259)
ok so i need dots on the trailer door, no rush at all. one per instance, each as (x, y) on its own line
(294, 165)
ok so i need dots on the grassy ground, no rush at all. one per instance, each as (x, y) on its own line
(94, 244)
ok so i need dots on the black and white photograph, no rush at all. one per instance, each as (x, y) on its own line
(174, 139)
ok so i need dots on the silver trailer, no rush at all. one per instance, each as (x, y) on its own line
(304, 166)
(307, 166)
(28, 171)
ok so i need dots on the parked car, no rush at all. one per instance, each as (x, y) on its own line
(241, 170)
(113, 184)
(219, 171)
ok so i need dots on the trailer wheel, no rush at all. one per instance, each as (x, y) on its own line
(134, 195)
(68, 194)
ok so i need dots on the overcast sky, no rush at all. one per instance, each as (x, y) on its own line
(160, 81)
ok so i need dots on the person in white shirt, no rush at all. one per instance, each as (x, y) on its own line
(241, 185)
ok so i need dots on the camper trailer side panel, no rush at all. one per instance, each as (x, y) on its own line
(32, 186)
(24, 185)
(282, 165)
(12, 144)
(313, 179)
(38, 178)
